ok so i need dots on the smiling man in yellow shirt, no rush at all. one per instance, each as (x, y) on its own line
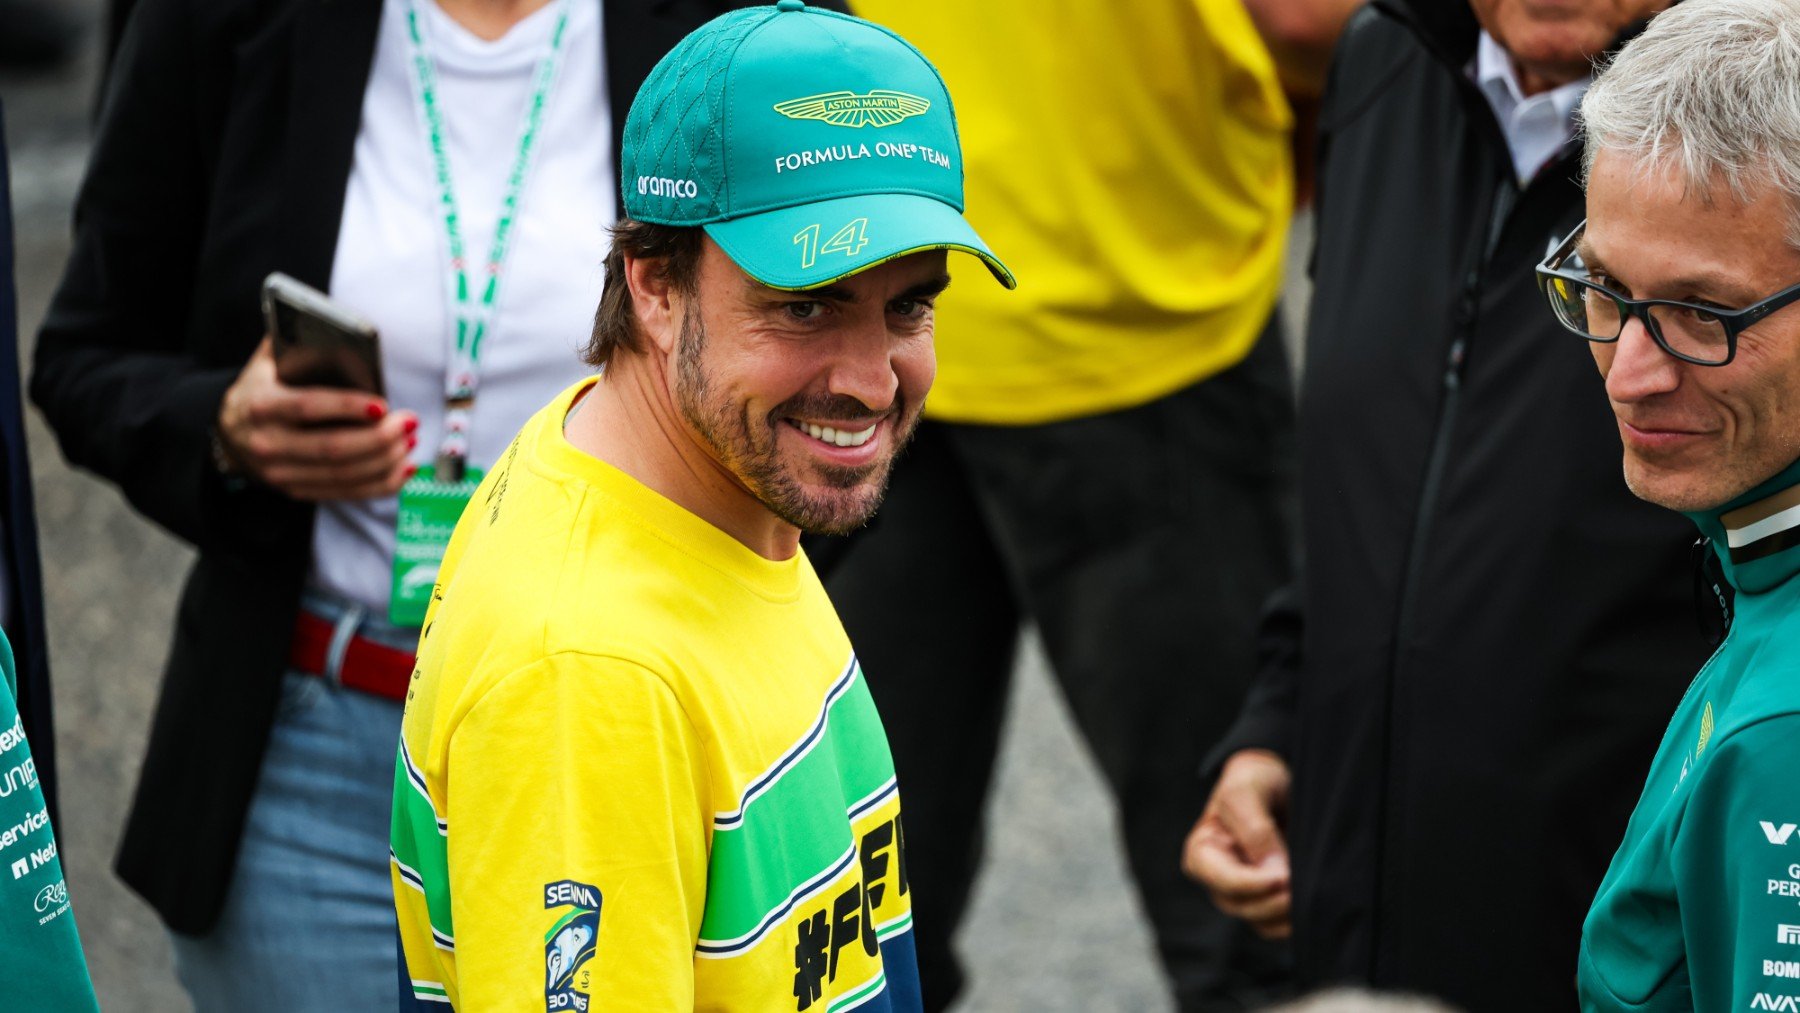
(640, 768)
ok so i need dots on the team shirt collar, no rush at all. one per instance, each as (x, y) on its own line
(1756, 535)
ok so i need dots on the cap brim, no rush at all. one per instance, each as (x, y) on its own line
(816, 244)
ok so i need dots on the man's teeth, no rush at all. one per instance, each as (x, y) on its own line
(842, 438)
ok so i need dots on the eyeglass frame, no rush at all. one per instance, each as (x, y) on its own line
(1734, 322)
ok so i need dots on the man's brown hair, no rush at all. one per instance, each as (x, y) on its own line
(615, 322)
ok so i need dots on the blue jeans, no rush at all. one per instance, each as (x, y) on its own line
(308, 922)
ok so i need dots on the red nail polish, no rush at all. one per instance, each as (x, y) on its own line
(411, 470)
(374, 411)
(411, 442)
(412, 425)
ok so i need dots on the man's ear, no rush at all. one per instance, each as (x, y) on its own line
(654, 301)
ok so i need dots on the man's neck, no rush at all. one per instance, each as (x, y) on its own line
(629, 419)
(490, 19)
(1535, 79)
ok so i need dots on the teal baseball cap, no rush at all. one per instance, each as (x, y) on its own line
(810, 145)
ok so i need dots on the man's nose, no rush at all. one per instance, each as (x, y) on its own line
(1640, 368)
(863, 368)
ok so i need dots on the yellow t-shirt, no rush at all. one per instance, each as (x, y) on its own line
(1131, 164)
(639, 769)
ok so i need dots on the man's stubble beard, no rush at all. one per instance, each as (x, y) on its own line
(751, 453)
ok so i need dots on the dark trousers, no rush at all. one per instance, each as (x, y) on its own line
(1142, 543)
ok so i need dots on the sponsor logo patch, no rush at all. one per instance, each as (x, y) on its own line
(663, 186)
(36, 860)
(12, 736)
(21, 776)
(877, 108)
(28, 825)
(51, 901)
(569, 943)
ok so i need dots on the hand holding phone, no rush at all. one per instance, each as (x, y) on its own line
(313, 443)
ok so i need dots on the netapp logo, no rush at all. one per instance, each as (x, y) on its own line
(36, 860)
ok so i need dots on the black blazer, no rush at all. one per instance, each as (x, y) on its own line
(222, 153)
(18, 530)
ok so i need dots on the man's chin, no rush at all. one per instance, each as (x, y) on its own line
(1562, 48)
(830, 515)
(836, 526)
(1686, 491)
(834, 503)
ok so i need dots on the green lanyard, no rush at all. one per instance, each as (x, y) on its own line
(473, 313)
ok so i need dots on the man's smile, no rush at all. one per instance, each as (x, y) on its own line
(841, 434)
(1658, 436)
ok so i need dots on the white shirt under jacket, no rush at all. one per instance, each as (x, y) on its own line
(390, 256)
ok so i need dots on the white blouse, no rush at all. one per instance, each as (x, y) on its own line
(390, 261)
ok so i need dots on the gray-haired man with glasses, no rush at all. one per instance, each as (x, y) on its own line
(1693, 205)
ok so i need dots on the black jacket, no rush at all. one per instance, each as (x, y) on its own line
(1490, 631)
(222, 154)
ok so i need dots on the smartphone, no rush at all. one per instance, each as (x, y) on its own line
(318, 342)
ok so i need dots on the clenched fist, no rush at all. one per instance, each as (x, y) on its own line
(1238, 850)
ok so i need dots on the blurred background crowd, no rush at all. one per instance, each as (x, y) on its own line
(1154, 591)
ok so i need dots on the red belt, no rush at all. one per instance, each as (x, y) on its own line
(368, 666)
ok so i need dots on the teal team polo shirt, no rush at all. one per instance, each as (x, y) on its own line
(1700, 909)
(42, 968)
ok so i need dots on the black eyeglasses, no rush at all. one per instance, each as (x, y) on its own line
(1702, 335)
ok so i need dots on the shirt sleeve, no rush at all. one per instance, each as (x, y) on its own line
(42, 966)
(578, 828)
(1266, 720)
(1736, 866)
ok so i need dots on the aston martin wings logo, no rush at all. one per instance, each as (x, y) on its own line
(878, 108)
(1706, 730)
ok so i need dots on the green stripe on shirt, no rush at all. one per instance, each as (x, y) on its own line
(419, 846)
(795, 829)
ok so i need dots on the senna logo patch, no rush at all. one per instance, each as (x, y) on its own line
(878, 108)
(569, 943)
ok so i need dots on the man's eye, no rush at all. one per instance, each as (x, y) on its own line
(1701, 311)
(1607, 282)
(803, 310)
(909, 307)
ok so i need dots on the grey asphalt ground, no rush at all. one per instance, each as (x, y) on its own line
(1054, 926)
